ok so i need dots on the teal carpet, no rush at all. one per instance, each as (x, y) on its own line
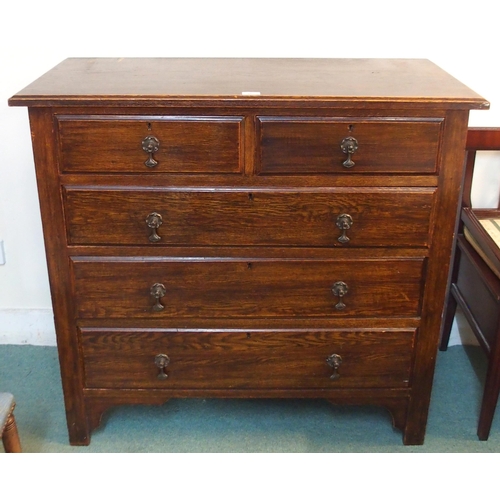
(31, 373)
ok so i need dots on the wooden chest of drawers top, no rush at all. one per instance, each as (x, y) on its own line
(277, 82)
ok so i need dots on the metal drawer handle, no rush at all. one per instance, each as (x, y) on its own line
(334, 361)
(154, 220)
(161, 362)
(344, 222)
(150, 145)
(339, 289)
(158, 291)
(349, 146)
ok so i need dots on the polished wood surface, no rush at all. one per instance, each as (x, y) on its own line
(232, 217)
(247, 359)
(246, 283)
(310, 145)
(239, 288)
(187, 144)
(357, 81)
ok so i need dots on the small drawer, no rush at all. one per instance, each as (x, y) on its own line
(162, 359)
(141, 144)
(300, 145)
(174, 287)
(324, 218)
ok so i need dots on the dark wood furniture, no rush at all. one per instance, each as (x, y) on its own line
(475, 284)
(8, 426)
(254, 228)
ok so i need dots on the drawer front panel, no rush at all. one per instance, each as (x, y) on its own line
(302, 146)
(184, 144)
(232, 288)
(383, 217)
(249, 359)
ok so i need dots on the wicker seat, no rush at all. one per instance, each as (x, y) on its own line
(475, 279)
(8, 427)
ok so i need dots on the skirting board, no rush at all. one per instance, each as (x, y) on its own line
(36, 327)
(27, 326)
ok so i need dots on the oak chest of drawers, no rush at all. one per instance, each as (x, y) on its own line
(248, 228)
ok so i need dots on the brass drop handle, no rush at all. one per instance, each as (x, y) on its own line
(150, 145)
(334, 361)
(154, 220)
(349, 146)
(158, 291)
(339, 289)
(344, 222)
(161, 362)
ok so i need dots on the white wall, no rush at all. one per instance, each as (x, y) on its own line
(460, 36)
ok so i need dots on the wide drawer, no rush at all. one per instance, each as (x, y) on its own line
(232, 288)
(357, 217)
(138, 144)
(247, 359)
(300, 145)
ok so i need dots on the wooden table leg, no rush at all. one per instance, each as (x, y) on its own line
(10, 436)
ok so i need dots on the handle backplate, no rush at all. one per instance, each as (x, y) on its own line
(161, 362)
(158, 291)
(154, 220)
(334, 361)
(150, 144)
(340, 289)
(349, 146)
(344, 222)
